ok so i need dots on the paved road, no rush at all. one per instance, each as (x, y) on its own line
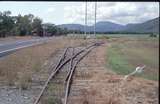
(10, 47)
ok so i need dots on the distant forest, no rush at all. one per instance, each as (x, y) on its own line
(29, 25)
(26, 25)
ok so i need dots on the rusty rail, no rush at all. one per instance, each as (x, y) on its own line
(50, 77)
(60, 64)
(72, 69)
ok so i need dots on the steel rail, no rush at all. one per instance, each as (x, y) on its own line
(50, 77)
(59, 66)
(70, 68)
(65, 62)
(68, 74)
(71, 74)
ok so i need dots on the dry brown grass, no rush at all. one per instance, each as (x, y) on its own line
(112, 100)
(18, 68)
(83, 75)
(126, 53)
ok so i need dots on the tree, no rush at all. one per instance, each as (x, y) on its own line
(24, 24)
(6, 23)
(37, 26)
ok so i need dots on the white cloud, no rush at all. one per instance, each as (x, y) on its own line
(51, 9)
(74, 12)
(119, 12)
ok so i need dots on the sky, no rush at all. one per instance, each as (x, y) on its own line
(74, 12)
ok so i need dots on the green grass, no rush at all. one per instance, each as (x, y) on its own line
(102, 37)
(117, 62)
(125, 54)
(50, 100)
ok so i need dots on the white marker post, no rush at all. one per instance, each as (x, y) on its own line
(138, 70)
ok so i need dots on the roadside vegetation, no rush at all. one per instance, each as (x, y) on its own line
(30, 25)
(126, 53)
(18, 69)
(26, 25)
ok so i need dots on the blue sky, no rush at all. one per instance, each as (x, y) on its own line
(73, 12)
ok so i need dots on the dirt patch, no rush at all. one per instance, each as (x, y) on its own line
(93, 83)
(102, 86)
(28, 69)
(31, 60)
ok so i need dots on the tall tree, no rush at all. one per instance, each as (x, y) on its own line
(37, 26)
(24, 24)
(6, 23)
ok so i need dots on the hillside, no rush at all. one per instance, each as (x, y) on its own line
(150, 26)
(108, 26)
(72, 26)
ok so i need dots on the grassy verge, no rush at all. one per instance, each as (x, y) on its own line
(102, 37)
(19, 68)
(117, 61)
(125, 54)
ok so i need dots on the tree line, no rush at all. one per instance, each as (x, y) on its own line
(26, 25)
(30, 25)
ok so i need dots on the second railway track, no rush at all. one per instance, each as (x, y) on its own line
(57, 86)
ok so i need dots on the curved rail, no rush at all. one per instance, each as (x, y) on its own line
(50, 77)
(71, 74)
(61, 63)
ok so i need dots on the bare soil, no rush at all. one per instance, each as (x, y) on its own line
(93, 82)
(96, 84)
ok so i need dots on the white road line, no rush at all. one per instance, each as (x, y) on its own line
(33, 44)
(21, 41)
(20, 47)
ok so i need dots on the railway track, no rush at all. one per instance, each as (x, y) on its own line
(59, 82)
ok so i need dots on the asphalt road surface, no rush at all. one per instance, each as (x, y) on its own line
(9, 47)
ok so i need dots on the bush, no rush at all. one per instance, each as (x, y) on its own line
(25, 80)
(103, 37)
(152, 35)
(51, 100)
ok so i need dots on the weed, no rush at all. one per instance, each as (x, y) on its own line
(50, 100)
(103, 37)
(125, 54)
(112, 100)
(117, 62)
(24, 80)
(83, 74)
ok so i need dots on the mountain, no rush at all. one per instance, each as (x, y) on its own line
(102, 26)
(72, 26)
(105, 26)
(149, 26)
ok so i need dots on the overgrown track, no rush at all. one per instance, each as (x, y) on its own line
(65, 59)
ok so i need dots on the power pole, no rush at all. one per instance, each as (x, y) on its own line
(85, 18)
(95, 19)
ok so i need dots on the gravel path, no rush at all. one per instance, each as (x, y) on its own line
(16, 96)
(13, 95)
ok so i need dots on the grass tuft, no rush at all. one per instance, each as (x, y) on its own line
(117, 61)
(126, 53)
(102, 37)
